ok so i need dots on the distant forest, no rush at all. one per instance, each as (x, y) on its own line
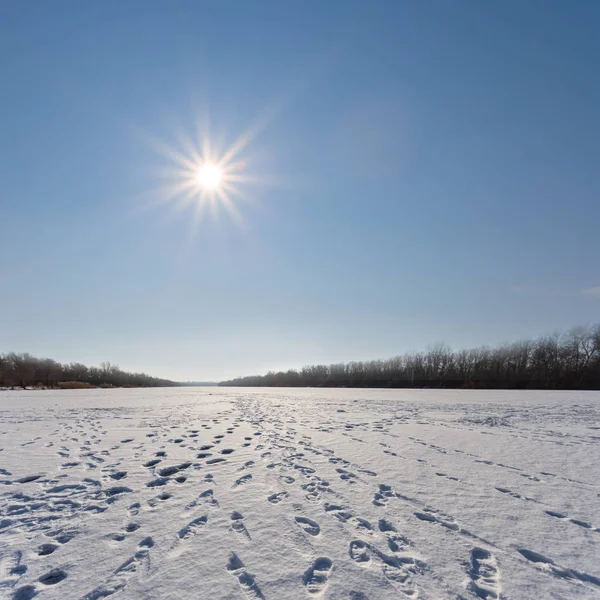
(24, 370)
(558, 361)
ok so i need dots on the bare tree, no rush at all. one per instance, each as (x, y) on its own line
(553, 361)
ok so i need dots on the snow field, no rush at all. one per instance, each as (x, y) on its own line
(202, 493)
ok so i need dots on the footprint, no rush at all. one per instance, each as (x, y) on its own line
(46, 549)
(168, 471)
(159, 481)
(62, 536)
(115, 491)
(153, 502)
(69, 465)
(237, 524)
(28, 479)
(383, 495)
(247, 465)
(339, 512)
(186, 533)
(208, 496)
(276, 498)
(564, 573)
(346, 475)
(359, 552)
(134, 509)
(317, 576)
(311, 527)
(485, 575)
(246, 580)
(53, 577)
(397, 543)
(385, 526)
(430, 518)
(583, 524)
(362, 524)
(242, 480)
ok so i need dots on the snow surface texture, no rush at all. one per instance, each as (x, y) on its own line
(297, 494)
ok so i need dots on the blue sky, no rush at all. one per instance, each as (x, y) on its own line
(421, 172)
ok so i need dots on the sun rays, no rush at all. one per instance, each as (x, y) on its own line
(197, 177)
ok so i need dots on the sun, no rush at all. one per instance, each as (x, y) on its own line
(203, 174)
(209, 177)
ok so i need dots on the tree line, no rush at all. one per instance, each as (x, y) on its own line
(557, 361)
(24, 370)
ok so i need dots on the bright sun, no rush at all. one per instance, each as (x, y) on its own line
(205, 177)
(209, 176)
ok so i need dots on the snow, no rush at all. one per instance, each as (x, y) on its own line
(286, 494)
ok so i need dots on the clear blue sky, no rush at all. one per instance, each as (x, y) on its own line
(426, 171)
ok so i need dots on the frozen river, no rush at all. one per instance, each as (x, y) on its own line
(286, 494)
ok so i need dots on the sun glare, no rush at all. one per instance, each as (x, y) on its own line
(209, 177)
(205, 176)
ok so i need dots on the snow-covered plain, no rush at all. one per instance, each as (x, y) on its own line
(282, 494)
